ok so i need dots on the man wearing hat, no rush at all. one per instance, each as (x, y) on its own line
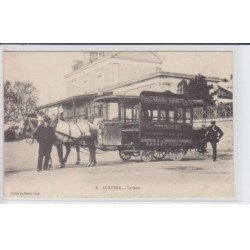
(45, 135)
(213, 135)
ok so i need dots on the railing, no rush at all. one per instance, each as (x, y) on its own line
(213, 112)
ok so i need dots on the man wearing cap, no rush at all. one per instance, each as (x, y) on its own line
(45, 135)
(213, 135)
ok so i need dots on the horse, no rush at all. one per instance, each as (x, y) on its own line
(65, 136)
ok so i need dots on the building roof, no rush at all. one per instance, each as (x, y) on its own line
(226, 85)
(70, 99)
(127, 55)
(160, 74)
(143, 56)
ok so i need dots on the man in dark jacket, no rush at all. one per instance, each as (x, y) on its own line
(91, 144)
(213, 135)
(203, 143)
(45, 135)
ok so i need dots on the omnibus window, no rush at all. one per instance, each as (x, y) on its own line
(146, 115)
(136, 113)
(163, 115)
(131, 114)
(180, 115)
(155, 115)
(171, 115)
(188, 115)
(113, 112)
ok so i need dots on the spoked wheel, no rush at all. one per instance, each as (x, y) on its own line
(146, 155)
(124, 155)
(176, 155)
(193, 150)
(159, 155)
(184, 150)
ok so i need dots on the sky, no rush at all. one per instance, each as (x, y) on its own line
(46, 70)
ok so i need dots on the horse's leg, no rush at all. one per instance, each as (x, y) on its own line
(59, 148)
(68, 149)
(78, 154)
(92, 153)
(50, 162)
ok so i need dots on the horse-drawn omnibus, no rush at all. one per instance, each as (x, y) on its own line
(153, 125)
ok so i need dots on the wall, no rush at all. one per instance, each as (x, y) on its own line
(132, 70)
(90, 80)
(158, 83)
(109, 72)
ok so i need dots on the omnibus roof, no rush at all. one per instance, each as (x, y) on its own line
(153, 98)
(119, 98)
(169, 98)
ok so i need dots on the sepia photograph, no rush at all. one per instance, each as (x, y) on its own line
(118, 125)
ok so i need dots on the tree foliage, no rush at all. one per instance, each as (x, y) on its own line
(199, 89)
(182, 87)
(19, 98)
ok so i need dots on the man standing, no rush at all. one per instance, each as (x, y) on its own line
(203, 143)
(91, 144)
(45, 135)
(213, 135)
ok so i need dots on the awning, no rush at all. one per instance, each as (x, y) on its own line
(70, 100)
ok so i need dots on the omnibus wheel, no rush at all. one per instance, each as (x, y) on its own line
(124, 155)
(184, 151)
(159, 155)
(146, 155)
(193, 150)
(176, 155)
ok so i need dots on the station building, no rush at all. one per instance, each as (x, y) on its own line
(117, 73)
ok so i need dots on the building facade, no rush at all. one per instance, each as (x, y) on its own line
(117, 73)
(99, 70)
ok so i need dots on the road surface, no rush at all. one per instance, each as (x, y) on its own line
(196, 176)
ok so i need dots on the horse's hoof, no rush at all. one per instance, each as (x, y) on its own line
(62, 165)
(78, 162)
(90, 164)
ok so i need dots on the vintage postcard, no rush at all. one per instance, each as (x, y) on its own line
(118, 124)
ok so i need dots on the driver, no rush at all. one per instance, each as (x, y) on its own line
(45, 135)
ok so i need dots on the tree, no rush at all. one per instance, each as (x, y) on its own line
(19, 98)
(199, 89)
